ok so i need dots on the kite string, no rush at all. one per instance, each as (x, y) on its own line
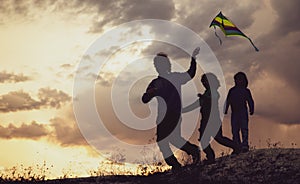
(218, 36)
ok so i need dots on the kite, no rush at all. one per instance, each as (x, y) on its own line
(228, 28)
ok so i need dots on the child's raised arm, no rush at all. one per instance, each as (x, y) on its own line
(191, 107)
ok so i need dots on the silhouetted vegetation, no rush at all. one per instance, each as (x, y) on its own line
(22, 173)
(270, 165)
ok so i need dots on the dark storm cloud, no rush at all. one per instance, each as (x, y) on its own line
(279, 48)
(279, 52)
(123, 11)
(238, 13)
(278, 56)
(198, 15)
(288, 16)
(277, 64)
(284, 42)
(20, 100)
(104, 12)
(33, 130)
(6, 77)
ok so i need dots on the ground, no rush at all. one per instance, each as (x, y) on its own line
(257, 166)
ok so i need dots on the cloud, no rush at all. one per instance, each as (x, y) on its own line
(66, 132)
(275, 63)
(198, 18)
(279, 105)
(273, 72)
(52, 97)
(33, 130)
(12, 78)
(17, 101)
(9, 7)
(172, 51)
(20, 100)
(288, 17)
(66, 66)
(63, 131)
(103, 13)
(104, 78)
(276, 60)
(114, 13)
(198, 15)
(282, 43)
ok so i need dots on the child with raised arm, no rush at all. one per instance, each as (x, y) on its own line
(211, 124)
(238, 97)
(167, 89)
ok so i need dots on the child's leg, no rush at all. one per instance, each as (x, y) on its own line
(210, 154)
(168, 155)
(235, 129)
(245, 134)
(164, 139)
(181, 143)
(227, 142)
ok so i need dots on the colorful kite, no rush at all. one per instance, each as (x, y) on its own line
(228, 28)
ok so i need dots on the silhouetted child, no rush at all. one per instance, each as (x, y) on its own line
(167, 86)
(238, 97)
(211, 123)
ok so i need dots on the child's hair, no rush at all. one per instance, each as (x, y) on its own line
(210, 80)
(162, 63)
(240, 79)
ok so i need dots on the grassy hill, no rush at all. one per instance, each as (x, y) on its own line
(257, 166)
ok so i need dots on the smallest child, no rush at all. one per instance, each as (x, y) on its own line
(238, 97)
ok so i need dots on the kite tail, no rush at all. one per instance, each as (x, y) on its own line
(218, 36)
(256, 49)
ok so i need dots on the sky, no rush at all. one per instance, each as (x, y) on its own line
(49, 53)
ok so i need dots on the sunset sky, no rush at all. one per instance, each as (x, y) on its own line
(42, 44)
